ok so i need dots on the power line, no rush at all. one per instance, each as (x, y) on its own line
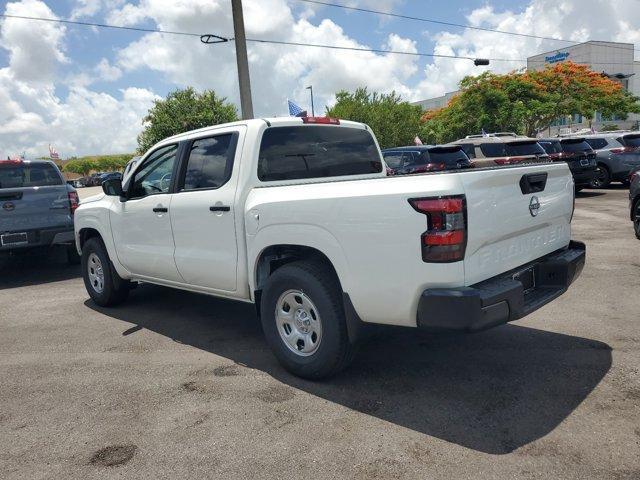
(220, 39)
(449, 24)
(256, 40)
(431, 20)
(102, 25)
(377, 50)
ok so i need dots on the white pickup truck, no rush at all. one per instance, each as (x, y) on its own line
(298, 216)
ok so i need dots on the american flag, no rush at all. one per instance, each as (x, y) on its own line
(295, 110)
(53, 154)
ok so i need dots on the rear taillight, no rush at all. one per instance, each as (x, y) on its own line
(74, 201)
(623, 150)
(446, 237)
(322, 120)
(509, 160)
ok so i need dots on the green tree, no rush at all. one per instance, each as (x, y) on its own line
(181, 111)
(526, 102)
(394, 121)
(81, 166)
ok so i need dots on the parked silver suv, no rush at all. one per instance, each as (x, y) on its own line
(617, 154)
(503, 148)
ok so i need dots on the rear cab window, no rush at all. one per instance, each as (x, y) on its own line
(25, 174)
(301, 152)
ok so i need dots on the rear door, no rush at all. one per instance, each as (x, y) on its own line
(33, 196)
(515, 215)
(202, 211)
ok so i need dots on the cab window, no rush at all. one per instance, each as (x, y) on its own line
(210, 162)
(154, 175)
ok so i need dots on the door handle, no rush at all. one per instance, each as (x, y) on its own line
(533, 183)
(220, 208)
(160, 209)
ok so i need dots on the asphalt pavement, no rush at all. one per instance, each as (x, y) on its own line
(179, 385)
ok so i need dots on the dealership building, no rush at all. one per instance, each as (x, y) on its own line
(613, 59)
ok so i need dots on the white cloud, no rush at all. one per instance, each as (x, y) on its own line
(82, 120)
(33, 114)
(577, 20)
(107, 72)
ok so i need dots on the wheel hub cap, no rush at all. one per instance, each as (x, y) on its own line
(95, 273)
(298, 323)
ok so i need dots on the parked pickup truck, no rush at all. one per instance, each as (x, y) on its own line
(36, 207)
(298, 216)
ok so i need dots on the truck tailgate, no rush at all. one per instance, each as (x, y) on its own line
(515, 215)
(29, 208)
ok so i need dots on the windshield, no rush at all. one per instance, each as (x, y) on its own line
(19, 174)
(289, 153)
(575, 146)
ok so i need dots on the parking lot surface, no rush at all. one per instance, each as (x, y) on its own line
(178, 385)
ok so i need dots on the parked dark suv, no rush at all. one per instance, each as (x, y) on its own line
(36, 207)
(578, 154)
(617, 153)
(634, 199)
(424, 158)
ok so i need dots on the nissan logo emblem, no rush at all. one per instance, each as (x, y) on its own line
(534, 206)
(8, 206)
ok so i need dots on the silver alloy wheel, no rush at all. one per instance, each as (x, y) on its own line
(95, 272)
(298, 323)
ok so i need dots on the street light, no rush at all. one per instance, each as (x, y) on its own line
(313, 113)
(481, 61)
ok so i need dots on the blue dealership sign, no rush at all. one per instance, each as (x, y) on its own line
(558, 57)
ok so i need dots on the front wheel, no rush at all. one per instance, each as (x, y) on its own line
(304, 322)
(603, 177)
(104, 285)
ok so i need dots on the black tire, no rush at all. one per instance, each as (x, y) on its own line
(114, 290)
(603, 177)
(72, 255)
(635, 212)
(320, 285)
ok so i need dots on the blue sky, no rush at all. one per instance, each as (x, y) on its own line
(86, 89)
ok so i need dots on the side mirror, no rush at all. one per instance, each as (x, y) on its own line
(113, 187)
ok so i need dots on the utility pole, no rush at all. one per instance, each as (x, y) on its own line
(244, 81)
(313, 113)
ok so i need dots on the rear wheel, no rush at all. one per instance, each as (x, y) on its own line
(104, 285)
(603, 177)
(304, 322)
(636, 218)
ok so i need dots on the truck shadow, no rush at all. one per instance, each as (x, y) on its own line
(36, 267)
(493, 392)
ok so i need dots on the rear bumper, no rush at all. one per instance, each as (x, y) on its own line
(43, 238)
(584, 177)
(500, 299)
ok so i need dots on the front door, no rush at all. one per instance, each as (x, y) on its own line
(141, 225)
(202, 212)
